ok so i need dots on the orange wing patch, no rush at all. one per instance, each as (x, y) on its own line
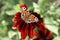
(32, 18)
(25, 12)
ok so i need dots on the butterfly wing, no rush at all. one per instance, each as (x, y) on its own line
(33, 18)
(28, 17)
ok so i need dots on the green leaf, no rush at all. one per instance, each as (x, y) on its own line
(40, 2)
(1, 30)
(51, 25)
(12, 12)
(13, 2)
(27, 38)
(4, 23)
(15, 9)
(11, 34)
(36, 8)
(5, 38)
(57, 38)
(29, 4)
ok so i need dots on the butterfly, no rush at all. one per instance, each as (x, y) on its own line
(28, 17)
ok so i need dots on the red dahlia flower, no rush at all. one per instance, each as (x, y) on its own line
(27, 21)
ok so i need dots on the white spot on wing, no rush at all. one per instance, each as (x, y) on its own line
(36, 19)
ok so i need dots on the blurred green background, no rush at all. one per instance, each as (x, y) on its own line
(48, 9)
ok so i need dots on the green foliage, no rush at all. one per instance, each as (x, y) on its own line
(50, 11)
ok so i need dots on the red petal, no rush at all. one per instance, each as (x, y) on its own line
(40, 26)
(31, 28)
(18, 14)
(20, 25)
(23, 32)
(48, 34)
(26, 28)
(16, 19)
(35, 33)
(16, 24)
(43, 26)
